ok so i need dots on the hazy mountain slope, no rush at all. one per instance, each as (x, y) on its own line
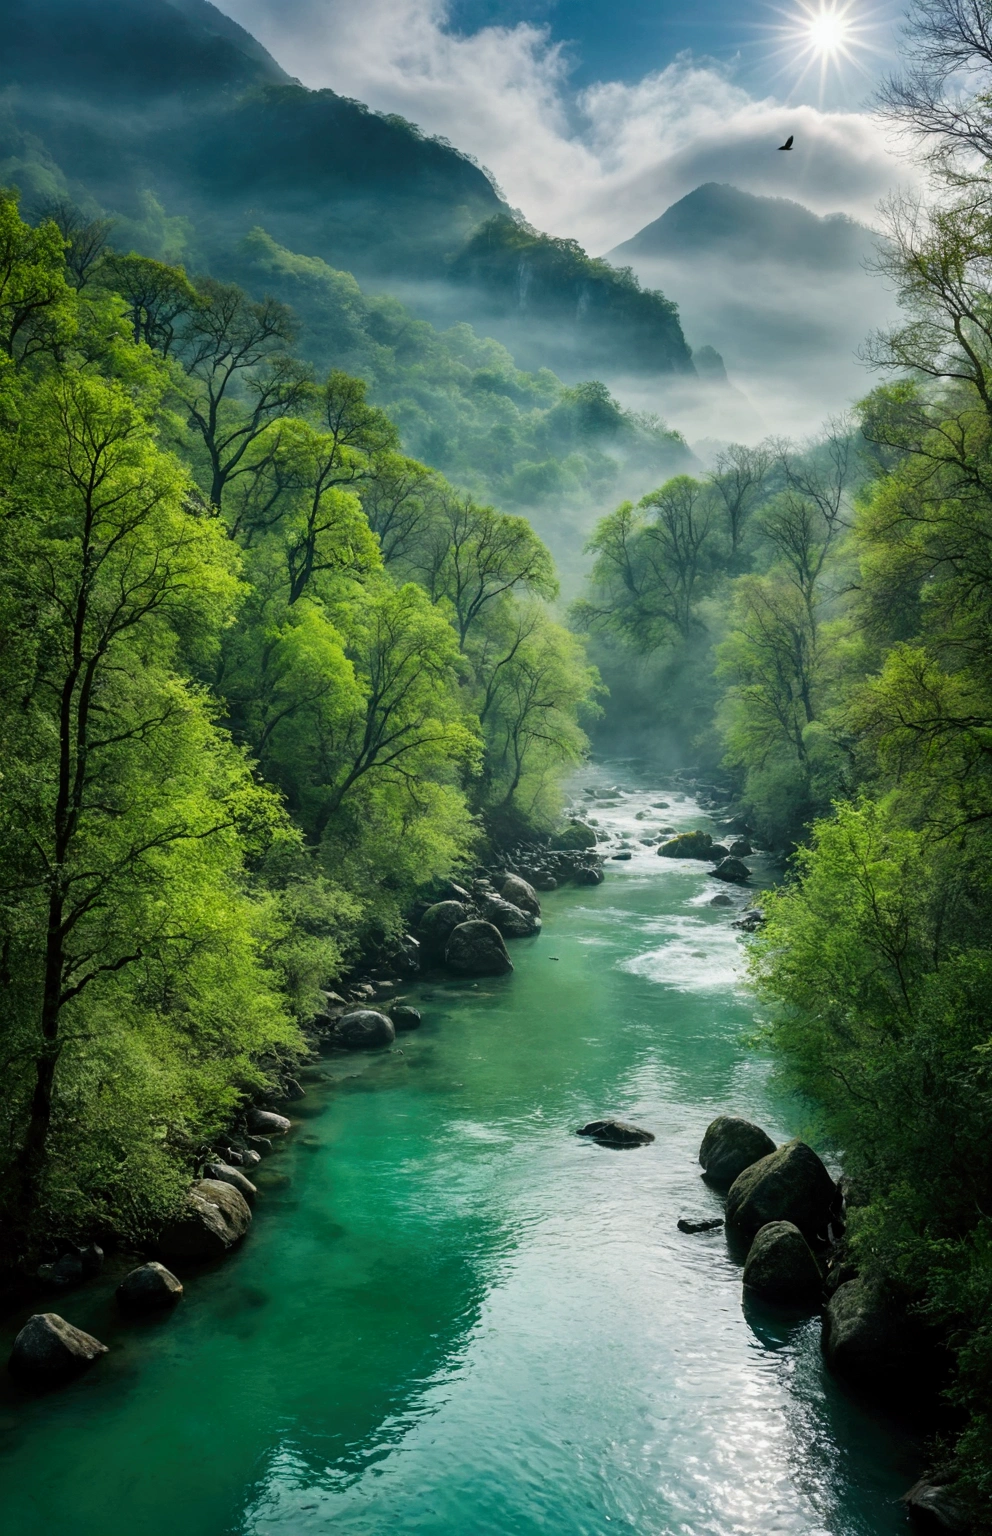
(171, 96)
(748, 228)
(113, 99)
(781, 292)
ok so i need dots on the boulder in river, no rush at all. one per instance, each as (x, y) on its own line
(545, 883)
(741, 848)
(215, 1218)
(588, 874)
(865, 1338)
(512, 922)
(521, 894)
(49, 1350)
(265, 1122)
(365, 1029)
(687, 845)
(790, 1184)
(731, 1145)
(733, 870)
(233, 1176)
(936, 1507)
(404, 1017)
(781, 1266)
(476, 949)
(708, 1224)
(149, 1288)
(439, 922)
(721, 899)
(616, 1133)
(576, 835)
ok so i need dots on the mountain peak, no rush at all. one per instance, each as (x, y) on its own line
(721, 219)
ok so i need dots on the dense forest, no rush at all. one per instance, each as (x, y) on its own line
(263, 677)
(822, 616)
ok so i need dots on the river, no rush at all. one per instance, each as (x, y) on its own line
(453, 1317)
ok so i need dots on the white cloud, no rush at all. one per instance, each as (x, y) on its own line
(596, 166)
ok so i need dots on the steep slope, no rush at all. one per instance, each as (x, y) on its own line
(171, 96)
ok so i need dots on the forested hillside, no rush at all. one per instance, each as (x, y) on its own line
(263, 677)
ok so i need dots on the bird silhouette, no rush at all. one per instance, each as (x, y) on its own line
(788, 142)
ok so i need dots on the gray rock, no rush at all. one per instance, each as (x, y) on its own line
(512, 922)
(477, 949)
(733, 870)
(265, 1122)
(216, 1217)
(149, 1288)
(261, 1145)
(741, 848)
(731, 1145)
(616, 1133)
(864, 1338)
(717, 853)
(250, 1159)
(687, 845)
(48, 1350)
(751, 921)
(521, 894)
(781, 1266)
(624, 854)
(721, 899)
(439, 922)
(709, 1225)
(790, 1184)
(545, 883)
(936, 1507)
(365, 1029)
(404, 1017)
(588, 874)
(233, 1176)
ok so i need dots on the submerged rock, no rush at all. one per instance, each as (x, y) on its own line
(790, 1184)
(365, 1029)
(233, 1176)
(149, 1288)
(731, 1145)
(404, 1017)
(216, 1217)
(709, 1225)
(521, 894)
(781, 1266)
(616, 1133)
(48, 1350)
(476, 949)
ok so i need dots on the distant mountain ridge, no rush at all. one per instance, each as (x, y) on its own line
(719, 219)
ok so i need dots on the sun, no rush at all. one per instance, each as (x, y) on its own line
(829, 32)
(827, 37)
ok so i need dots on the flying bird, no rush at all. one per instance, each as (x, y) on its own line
(788, 142)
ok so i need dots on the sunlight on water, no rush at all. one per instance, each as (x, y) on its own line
(454, 1317)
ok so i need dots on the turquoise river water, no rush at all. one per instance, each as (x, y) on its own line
(453, 1317)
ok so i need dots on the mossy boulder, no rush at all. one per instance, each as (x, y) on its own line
(477, 949)
(731, 1145)
(790, 1184)
(688, 845)
(781, 1266)
(439, 922)
(576, 835)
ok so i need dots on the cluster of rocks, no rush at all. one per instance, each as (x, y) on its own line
(700, 845)
(214, 1218)
(783, 1201)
